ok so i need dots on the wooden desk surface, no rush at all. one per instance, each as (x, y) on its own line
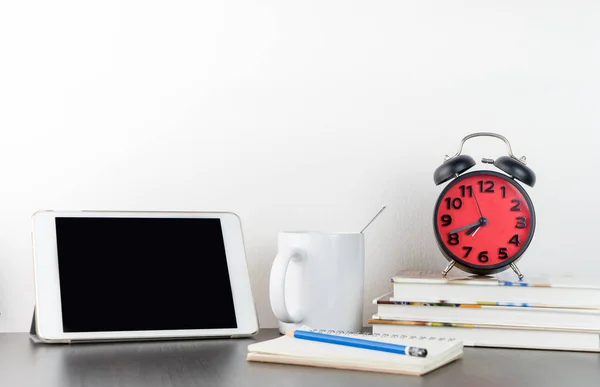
(223, 363)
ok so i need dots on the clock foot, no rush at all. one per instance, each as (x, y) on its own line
(448, 268)
(516, 270)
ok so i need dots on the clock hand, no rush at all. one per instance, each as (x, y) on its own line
(477, 202)
(474, 225)
(473, 229)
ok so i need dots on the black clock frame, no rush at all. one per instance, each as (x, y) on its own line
(482, 269)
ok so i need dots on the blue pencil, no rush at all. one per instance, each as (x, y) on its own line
(358, 343)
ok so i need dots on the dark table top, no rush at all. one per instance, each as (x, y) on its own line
(222, 362)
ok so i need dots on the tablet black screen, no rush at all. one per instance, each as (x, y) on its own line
(139, 274)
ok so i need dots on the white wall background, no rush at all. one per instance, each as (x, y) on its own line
(295, 115)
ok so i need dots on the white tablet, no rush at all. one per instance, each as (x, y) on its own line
(140, 275)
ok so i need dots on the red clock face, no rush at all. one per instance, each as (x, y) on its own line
(484, 221)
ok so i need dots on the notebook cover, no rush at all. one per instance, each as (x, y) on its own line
(265, 358)
(288, 350)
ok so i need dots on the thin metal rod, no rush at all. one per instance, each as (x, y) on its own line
(516, 270)
(371, 221)
(448, 268)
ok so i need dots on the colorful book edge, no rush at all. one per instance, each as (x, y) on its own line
(387, 299)
(377, 321)
(502, 279)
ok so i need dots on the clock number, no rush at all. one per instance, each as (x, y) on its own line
(503, 188)
(521, 222)
(468, 250)
(502, 253)
(516, 207)
(446, 220)
(455, 203)
(464, 189)
(483, 256)
(453, 239)
(488, 183)
(515, 240)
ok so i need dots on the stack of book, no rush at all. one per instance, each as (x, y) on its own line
(558, 314)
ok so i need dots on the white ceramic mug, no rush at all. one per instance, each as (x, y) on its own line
(317, 279)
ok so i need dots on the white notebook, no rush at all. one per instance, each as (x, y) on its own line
(289, 350)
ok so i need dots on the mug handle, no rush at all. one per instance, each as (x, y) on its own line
(277, 286)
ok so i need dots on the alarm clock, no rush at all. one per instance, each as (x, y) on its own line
(484, 220)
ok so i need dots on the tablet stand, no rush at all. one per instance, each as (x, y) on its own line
(32, 331)
(36, 339)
